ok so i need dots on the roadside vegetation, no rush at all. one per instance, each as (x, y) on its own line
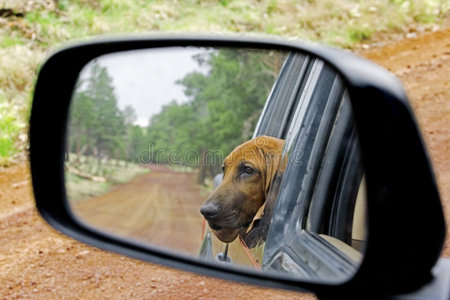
(86, 179)
(30, 29)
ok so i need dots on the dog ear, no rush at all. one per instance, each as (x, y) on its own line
(274, 162)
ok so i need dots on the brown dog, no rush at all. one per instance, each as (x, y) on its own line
(248, 173)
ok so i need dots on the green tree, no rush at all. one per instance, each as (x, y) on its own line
(126, 150)
(96, 121)
(223, 106)
(233, 94)
(81, 121)
(136, 143)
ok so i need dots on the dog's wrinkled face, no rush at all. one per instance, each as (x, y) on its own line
(248, 171)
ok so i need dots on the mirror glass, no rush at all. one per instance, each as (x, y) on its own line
(237, 156)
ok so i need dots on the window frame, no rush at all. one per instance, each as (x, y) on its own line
(288, 245)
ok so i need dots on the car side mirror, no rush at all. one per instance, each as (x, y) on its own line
(325, 173)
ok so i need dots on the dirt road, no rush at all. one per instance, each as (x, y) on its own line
(37, 262)
(159, 208)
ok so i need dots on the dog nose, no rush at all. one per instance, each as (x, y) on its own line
(209, 210)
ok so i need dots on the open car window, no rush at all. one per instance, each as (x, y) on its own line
(316, 198)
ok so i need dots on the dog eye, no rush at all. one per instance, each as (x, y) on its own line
(247, 170)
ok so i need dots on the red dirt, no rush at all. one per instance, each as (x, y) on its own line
(38, 262)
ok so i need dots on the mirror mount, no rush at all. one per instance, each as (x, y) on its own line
(402, 191)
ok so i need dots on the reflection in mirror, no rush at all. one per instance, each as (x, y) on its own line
(238, 156)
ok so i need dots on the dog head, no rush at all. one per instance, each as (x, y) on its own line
(247, 175)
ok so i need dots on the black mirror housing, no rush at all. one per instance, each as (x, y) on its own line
(406, 226)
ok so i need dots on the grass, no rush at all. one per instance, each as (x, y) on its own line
(24, 42)
(113, 172)
(79, 189)
(8, 129)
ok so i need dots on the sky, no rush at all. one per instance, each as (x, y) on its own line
(146, 79)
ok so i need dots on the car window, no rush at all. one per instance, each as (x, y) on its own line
(339, 177)
(316, 198)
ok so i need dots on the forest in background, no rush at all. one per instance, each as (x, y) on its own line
(222, 110)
